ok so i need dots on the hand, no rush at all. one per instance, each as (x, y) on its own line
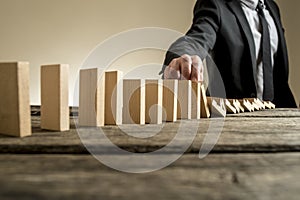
(185, 68)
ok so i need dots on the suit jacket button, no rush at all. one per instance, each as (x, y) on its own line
(253, 95)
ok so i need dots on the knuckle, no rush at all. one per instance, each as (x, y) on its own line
(186, 58)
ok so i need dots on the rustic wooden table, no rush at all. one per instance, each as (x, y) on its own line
(257, 156)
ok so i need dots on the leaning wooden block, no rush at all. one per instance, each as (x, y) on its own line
(204, 105)
(154, 94)
(91, 98)
(230, 108)
(113, 98)
(184, 109)
(196, 100)
(55, 97)
(15, 119)
(170, 91)
(133, 102)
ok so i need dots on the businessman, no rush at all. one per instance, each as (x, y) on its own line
(247, 43)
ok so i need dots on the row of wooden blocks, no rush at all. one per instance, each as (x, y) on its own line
(108, 99)
(105, 98)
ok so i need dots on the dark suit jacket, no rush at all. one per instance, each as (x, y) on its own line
(220, 27)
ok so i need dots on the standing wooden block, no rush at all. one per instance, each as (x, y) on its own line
(184, 110)
(154, 92)
(133, 102)
(113, 98)
(204, 105)
(170, 91)
(55, 97)
(91, 98)
(196, 100)
(15, 119)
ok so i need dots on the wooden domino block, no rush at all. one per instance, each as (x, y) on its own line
(239, 108)
(15, 119)
(133, 102)
(255, 106)
(154, 100)
(238, 104)
(260, 103)
(170, 91)
(217, 107)
(204, 105)
(246, 105)
(250, 105)
(55, 97)
(91, 98)
(113, 98)
(273, 106)
(196, 100)
(229, 107)
(184, 97)
(233, 102)
(269, 105)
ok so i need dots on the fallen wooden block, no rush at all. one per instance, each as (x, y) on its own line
(269, 105)
(250, 105)
(239, 108)
(196, 100)
(204, 105)
(170, 91)
(133, 102)
(154, 99)
(91, 98)
(230, 108)
(55, 97)
(184, 99)
(113, 98)
(254, 104)
(15, 119)
(260, 103)
(237, 102)
(246, 105)
(217, 107)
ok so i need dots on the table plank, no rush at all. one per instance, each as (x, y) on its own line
(226, 176)
(239, 135)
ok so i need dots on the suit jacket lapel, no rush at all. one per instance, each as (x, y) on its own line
(236, 8)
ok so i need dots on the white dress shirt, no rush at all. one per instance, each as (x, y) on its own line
(249, 8)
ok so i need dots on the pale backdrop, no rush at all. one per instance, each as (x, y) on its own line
(65, 31)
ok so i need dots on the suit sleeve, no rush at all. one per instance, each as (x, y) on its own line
(202, 35)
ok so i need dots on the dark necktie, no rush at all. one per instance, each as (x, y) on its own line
(268, 93)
